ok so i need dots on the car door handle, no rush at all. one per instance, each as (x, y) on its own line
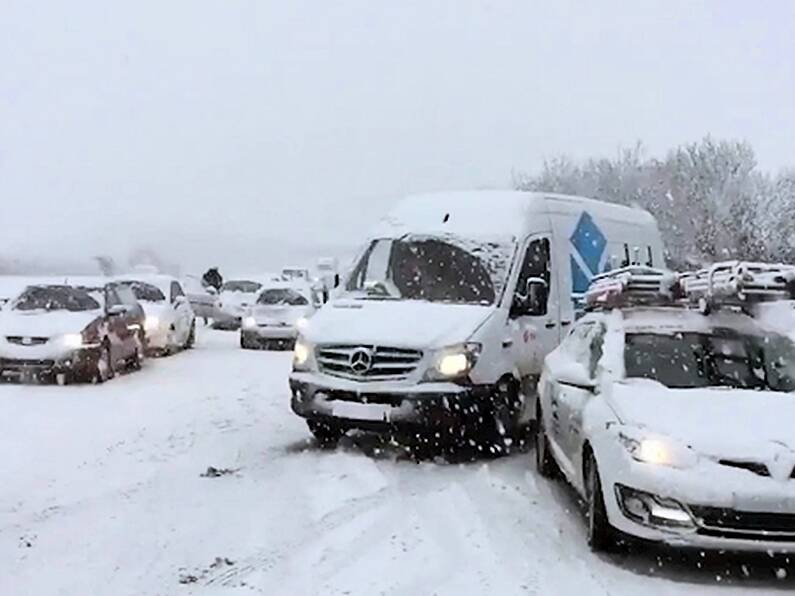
(507, 342)
(550, 324)
(564, 323)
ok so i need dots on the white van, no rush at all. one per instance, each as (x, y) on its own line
(442, 325)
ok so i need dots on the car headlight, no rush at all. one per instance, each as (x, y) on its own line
(249, 322)
(72, 341)
(151, 323)
(302, 355)
(453, 362)
(302, 323)
(656, 450)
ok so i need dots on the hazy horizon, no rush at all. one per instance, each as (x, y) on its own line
(246, 133)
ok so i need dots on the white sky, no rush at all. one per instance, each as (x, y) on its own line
(232, 131)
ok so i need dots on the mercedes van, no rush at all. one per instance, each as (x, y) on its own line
(441, 326)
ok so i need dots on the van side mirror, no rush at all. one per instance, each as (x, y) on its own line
(533, 302)
(537, 292)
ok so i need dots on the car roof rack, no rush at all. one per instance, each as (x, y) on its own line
(631, 286)
(738, 284)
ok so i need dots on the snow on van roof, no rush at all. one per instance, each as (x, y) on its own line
(492, 213)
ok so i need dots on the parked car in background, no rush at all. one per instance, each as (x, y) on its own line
(234, 299)
(68, 333)
(202, 298)
(170, 322)
(280, 311)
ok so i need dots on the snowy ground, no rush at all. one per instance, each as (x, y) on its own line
(102, 493)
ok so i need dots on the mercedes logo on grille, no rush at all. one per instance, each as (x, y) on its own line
(361, 360)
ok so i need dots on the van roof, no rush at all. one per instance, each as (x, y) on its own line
(491, 213)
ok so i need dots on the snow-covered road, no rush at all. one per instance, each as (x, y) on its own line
(103, 491)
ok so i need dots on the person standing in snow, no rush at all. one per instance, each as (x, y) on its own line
(213, 279)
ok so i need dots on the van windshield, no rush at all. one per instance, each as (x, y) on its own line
(431, 268)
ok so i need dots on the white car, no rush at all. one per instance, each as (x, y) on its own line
(170, 322)
(234, 300)
(280, 311)
(673, 425)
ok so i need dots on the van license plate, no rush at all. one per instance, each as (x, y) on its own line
(357, 411)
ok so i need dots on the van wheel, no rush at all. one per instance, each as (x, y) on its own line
(545, 461)
(601, 535)
(498, 425)
(327, 435)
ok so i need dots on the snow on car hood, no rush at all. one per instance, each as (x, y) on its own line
(720, 422)
(45, 324)
(399, 323)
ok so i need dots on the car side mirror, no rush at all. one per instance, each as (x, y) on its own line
(211, 290)
(574, 374)
(179, 300)
(118, 310)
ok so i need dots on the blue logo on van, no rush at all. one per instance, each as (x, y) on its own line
(587, 256)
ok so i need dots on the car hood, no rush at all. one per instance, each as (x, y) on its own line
(739, 424)
(399, 323)
(45, 324)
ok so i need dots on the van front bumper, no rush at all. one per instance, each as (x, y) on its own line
(441, 409)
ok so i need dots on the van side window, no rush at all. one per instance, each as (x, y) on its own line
(536, 264)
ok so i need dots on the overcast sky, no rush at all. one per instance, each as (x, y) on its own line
(234, 131)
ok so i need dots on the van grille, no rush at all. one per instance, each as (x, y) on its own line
(367, 363)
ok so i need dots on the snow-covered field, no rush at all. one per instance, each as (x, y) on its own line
(104, 491)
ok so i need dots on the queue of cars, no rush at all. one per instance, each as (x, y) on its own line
(86, 329)
(663, 399)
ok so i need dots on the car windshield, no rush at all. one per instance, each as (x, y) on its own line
(282, 296)
(249, 287)
(723, 358)
(54, 298)
(145, 292)
(434, 269)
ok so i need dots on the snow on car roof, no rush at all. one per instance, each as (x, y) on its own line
(159, 280)
(480, 214)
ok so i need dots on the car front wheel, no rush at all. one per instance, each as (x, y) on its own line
(601, 535)
(545, 461)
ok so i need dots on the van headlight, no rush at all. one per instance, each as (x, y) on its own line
(303, 355)
(657, 450)
(453, 362)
